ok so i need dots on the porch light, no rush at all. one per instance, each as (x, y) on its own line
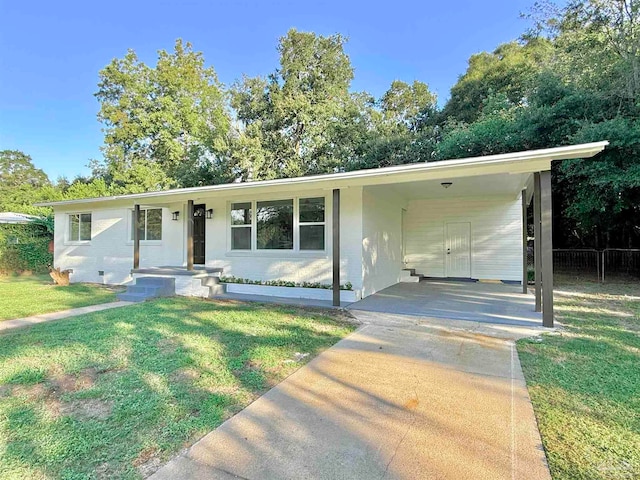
(446, 184)
(210, 214)
(175, 215)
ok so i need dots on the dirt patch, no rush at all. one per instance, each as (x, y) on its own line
(31, 392)
(66, 383)
(252, 365)
(5, 390)
(147, 461)
(184, 375)
(87, 409)
(167, 345)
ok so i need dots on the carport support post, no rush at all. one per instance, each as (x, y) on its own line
(336, 247)
(547, 248)
(536, 242)
(190, 235)
(525, 276)
(136, 236)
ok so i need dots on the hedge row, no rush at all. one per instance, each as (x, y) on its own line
(24, 247)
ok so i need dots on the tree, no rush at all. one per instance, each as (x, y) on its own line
(291, 120)
(597, 44)
(165, 125)
(508, 70)
(18, 180)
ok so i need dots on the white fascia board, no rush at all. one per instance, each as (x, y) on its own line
(517, 162)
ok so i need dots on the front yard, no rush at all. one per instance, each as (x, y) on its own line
(116, 393)
(35, 294)
(584, 383)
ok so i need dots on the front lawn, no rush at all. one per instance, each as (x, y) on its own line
(35, 294)
(584, 383)
(116, 393)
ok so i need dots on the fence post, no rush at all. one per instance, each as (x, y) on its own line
(603, 260)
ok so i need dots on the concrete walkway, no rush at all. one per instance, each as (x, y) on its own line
(404, 397)
(50, 317)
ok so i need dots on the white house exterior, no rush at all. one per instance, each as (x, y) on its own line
(454, 218)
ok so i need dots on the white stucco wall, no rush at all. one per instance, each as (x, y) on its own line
(111, 249)
(290, 265)
(381, 238)
(496, 235)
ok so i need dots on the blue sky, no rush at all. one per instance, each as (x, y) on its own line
(51, 52)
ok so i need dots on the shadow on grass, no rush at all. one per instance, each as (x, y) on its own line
(115, 392)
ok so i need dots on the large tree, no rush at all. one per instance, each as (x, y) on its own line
(508, 70)
(19, 178)
(293, 121)
(165, 125)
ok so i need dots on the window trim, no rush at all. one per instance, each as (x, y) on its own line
(296, 228)
(249, 225)
(131, 211)
(67, 234)
(310, 224)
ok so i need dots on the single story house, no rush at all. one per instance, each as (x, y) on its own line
(363, 230)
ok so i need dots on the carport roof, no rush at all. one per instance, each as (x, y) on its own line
(509, 163)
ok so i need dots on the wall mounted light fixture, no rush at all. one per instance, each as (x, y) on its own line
(210, 214)
(175, 215)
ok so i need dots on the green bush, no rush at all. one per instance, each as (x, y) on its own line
(283, 283)
(25, 247)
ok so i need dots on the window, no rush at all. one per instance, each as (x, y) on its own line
(150, 224)
(241, 226)
(274, 221)
(289, 224)
(79, 227)
(311, 223)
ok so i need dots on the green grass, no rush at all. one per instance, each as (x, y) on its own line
(114, 394)
(584, 383)
(32, 295)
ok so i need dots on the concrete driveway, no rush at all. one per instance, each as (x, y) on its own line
(404, 397)
(456, 300)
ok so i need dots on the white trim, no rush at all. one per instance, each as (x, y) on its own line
(291, 292)
(517, 162)
(128, 240)
(67, 230)
(277, 253)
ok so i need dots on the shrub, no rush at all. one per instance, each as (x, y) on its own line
(283, 283)
(24, 247)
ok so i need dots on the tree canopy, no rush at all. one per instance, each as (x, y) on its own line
(573, 77)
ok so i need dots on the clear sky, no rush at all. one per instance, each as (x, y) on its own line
(51, 52)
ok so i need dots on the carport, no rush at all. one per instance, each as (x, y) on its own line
(497, 303)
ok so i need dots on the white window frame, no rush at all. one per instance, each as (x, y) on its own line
(305, 224)
(249, 225)
(143, 240)
(296, 228)
(72, 241)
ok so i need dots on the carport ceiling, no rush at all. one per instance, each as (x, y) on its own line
(476, 186)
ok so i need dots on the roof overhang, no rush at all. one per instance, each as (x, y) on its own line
(509, 163)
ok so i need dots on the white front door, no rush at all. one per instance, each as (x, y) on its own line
(458, 250)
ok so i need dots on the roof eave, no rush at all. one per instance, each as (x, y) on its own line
(518, 162)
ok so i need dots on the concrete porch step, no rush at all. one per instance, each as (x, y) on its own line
(132, 297)
(149, 287)
(409, 275)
